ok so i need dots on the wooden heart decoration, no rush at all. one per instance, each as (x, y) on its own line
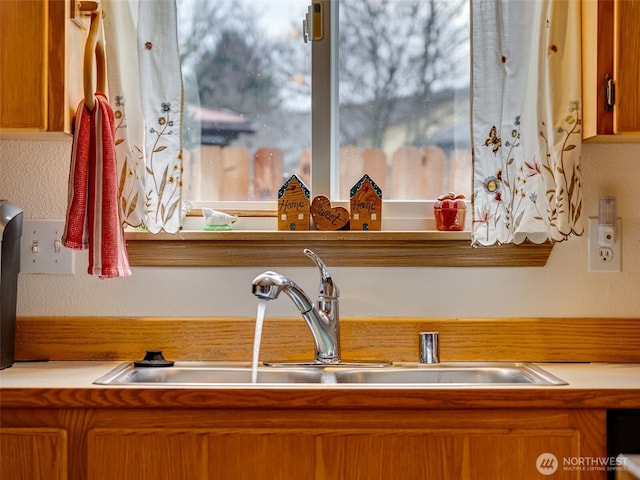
(327, 217)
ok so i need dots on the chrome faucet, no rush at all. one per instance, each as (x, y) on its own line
(322, 319)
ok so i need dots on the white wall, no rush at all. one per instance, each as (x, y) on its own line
(33, 174)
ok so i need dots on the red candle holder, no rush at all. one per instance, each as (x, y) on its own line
(449, 211)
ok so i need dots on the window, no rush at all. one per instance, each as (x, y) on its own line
(385, 92)
(403, 89)
(394, 86)
(248, 97)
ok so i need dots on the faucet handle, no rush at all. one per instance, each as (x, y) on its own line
(327, 287)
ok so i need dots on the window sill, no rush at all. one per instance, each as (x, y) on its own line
(244, 248)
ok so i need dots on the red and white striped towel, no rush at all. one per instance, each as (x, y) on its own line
(92, 212)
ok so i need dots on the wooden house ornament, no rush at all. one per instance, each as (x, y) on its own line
(366, 205)
(294, 205)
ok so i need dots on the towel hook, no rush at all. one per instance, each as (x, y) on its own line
(94, 63)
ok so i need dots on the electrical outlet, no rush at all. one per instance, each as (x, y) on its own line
(605, 255)
(41, 249)
(603, 258)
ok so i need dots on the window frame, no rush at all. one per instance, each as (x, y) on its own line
(386, 248)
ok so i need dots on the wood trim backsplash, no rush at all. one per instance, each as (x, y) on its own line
(393, 339)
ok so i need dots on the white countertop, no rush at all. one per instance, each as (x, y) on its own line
(82, 374)
(631, 467)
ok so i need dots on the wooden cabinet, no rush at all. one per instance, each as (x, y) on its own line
(611, 70)
(41, 50)
(301, 443)
(33, 453)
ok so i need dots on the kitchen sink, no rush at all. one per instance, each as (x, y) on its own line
(205, 373)
(452, 374)
(441, 374)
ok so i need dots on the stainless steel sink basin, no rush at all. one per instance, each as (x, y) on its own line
(205, 373)
(442, 374)
(453, 374)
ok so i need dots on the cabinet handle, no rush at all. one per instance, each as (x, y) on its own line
(610, 92)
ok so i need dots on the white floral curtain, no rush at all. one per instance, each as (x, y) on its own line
(526, 117)
(145, 92)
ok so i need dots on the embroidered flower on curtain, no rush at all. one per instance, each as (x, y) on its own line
(166, 174)
(124, 97)
(145, 84)
(526, 121)
(161, 96)
(512, 189)
(131, 165)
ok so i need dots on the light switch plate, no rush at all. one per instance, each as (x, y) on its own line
(41, 249)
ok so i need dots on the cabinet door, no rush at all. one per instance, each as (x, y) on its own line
(386, 454)
(611, 70)
(33, 453)
(526, 453)
(135, 454)
(464, 454)
(40, 66)
(451, 445)
(23, 58)
(200, 454)
(627, 67)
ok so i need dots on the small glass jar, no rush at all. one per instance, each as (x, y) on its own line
(449, 211)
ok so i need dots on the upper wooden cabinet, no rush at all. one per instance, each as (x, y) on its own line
(611, 70)
(41, 50)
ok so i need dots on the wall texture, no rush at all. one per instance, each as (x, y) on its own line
(33, 174)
